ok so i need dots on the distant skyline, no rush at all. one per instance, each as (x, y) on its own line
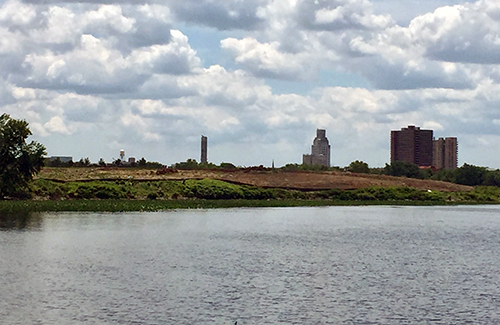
(257, 77)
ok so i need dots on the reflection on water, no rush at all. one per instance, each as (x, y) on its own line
(362, 265)
(20, 221)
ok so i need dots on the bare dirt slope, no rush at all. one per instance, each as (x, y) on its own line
(276, 179)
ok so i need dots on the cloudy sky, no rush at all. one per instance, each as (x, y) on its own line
(258, 77)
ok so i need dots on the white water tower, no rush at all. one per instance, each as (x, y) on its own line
(122, 155)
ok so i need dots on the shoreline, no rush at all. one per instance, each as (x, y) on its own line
(128, 195)
(29, 206)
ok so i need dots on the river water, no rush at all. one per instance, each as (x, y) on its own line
(329, 265)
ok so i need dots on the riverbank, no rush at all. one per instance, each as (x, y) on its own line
(66, 192)
(129, 195)
(263, 178)
(210, 189)
(28, 206)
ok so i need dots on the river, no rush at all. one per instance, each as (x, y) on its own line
(328, 265)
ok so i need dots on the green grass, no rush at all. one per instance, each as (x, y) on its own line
(159, 205)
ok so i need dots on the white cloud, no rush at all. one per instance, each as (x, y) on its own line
(265, 59)
(109, 16)
(216, 86)
(91, 67)
(16, 14)
(176, 57)
(466, 33)
(340, 14)
(126, 75)
(56, 125)
(94, 66)
(435, 51)
(432, 125)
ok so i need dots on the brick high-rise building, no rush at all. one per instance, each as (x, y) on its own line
(412, 145)
(320, 151)
(445, 152)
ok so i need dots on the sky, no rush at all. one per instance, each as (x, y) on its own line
(257, 77)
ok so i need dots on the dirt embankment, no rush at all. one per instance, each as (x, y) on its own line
(274, 179)
(343, 181)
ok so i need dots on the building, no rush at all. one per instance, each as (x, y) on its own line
(412, 145)
(445, 153)
(63, 159)
(320, 151)
(204, 150)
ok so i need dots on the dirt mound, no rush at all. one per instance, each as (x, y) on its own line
(261, 178)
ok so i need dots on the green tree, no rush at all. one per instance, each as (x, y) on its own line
(19, 160)
(401, 168)
(154, 165)
(470, 175)
(492, 178)
(188, 164)
(291, 167)
(359, 167)
(83, 162)
(226, 165)
(447, 175)
(141, 162)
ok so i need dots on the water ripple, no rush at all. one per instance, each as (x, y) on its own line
(338, 265)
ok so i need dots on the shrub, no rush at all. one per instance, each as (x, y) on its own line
(257, 193)
(359, 167)
(212, 190)
(92, 190)
(152, 196)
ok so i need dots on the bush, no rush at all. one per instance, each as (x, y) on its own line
(152, 196)
(212, 190)
(359, 167)
(257, 193)
(93, 190)
(226, 165)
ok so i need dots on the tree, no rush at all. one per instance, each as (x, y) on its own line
(492, 178)
(226, 165)
(83, 162)
(188, 164)
(470, 175)
(401, 168)
(19, 161)
(359, 167)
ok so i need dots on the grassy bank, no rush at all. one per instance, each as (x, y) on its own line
(209, 189)
(159, 205)
(125, 195)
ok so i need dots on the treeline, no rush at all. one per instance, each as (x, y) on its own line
(193, 165)
(466, 175)
(208, 189)
(85, 162)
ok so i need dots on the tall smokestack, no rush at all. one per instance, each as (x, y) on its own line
(204, 149)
